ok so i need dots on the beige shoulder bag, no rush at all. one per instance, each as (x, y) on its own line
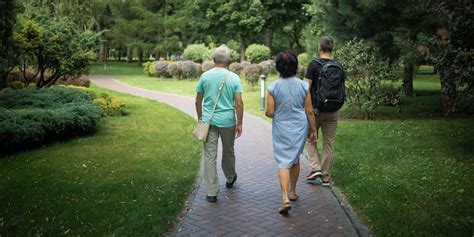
(202, 128)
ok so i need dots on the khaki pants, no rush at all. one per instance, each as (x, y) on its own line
(328, 124)
(210, 156)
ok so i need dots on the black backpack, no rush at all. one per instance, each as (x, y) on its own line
(330, 90)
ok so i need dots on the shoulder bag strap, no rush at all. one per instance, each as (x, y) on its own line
(218, 96)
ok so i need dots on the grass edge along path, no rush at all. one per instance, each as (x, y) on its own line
(131, 178)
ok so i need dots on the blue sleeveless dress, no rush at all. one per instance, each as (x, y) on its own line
(290, 124)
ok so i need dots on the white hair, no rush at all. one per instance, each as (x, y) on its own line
(222, 54)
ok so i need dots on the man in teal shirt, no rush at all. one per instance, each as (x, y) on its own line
(224, 122)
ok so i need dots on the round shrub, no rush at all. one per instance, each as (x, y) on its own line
(188, 69)
(234, 55)
(109, 105)
(236, 68)
(268, 66)
(162, 69)
(196, 52)
(206, 65)
(75, 81)
(245, 64)
(252, 73)
(300, 73)
(257, 53)
(303, 59)
(174, 70)
(198, 69)
(149, 68)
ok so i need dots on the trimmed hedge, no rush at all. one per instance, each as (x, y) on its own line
(32, 117)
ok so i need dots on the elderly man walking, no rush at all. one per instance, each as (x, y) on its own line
(224, 122)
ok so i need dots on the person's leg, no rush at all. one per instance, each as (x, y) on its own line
(284, 175)
(210, 156)
(294, 173)
(313, 155)
(329, 134)
(228, 155)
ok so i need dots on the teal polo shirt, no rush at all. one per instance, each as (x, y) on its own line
(209, 84)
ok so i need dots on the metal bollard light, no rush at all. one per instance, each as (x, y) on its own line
(262, 77)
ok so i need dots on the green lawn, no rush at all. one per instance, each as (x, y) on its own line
(129, 179)
(408, 174)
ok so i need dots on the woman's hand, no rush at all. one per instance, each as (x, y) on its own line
(313, 137)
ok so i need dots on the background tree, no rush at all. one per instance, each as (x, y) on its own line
(453, 56)
(395, 27)
(8, 57)
(240, 19)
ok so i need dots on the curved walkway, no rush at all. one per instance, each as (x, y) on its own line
(250, 208)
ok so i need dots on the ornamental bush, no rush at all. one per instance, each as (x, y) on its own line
(149, 68)
(174, 70)
(196, 52)
(268, 66)
(198, 69)
(206, 65)
(109, 105)
(162, 69)
(369, 77)
(236, 68)
(301, 72)
(30, 117)
(303, 59)
(188, 69)
(245, 64)
(252, 73)
(256, 53)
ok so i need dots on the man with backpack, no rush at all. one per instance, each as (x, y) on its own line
(326, 80)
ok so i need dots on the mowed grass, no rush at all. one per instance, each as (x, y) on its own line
(129, 179)
(408, 174)
(408, 178)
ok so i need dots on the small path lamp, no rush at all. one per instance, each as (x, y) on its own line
(262, 77)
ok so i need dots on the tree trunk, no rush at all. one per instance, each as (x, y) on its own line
(448, 96)
(102, 52)
(242, 48)
(157, 56)
(408, 79)
(129, 55)
(140, 57)
(269, 41)
(119, 56)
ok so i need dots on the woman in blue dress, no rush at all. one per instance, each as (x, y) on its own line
(289, 104)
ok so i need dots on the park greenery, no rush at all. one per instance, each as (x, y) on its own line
(404, 165)
(69, 158)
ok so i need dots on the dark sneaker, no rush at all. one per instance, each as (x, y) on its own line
(211, 198)
(325, 183)
(313, 175)
(231, 185)
(316, 181)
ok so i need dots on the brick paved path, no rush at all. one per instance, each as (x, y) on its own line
(250, 208)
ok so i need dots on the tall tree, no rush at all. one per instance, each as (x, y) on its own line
(394, 26)
(453, 55)
(286, 16)
(241, 19)
(8, 59)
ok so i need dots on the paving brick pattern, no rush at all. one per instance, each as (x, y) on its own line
(250, 208)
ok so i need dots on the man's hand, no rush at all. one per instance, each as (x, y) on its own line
(238, 131)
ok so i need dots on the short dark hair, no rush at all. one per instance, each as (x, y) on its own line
(286, 64)
(326, 44)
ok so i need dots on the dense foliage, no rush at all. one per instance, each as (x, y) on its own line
(369, 78)
(30, 117)
(196, 53)
(252, 73)
(51, 48)
(256, 53)
(453, 56)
